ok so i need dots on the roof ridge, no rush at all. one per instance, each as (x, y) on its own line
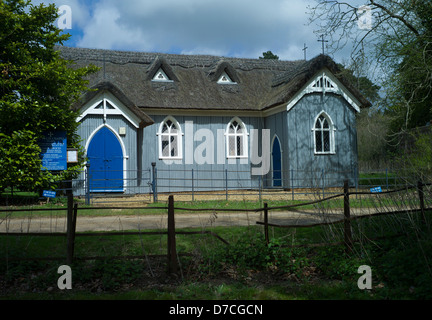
(197, 60)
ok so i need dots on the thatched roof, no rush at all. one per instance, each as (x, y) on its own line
(260, 83)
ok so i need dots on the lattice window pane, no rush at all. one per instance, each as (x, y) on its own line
(174, 146)
(318, 141)
(231, 146)
(326, 141)
(239, 146)
(165, 145)
(325, 124)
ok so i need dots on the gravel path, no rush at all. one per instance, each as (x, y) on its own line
(154, 222)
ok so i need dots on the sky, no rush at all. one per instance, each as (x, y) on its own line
(230, 28)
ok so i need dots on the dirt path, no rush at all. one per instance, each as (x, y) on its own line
(154, 222)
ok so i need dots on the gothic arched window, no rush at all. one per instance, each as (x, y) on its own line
(323, 131)
(170, 142)
(236, 139)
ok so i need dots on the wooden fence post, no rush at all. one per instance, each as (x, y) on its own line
(266, 233)
(70, 230)
(154, 181)
(74, 220)
(226, 184)
(172, 251)
(347, 221)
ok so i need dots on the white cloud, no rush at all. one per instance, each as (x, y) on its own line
(241, 28)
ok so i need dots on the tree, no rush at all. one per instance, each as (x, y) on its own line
(269, 55)
(368, 89)
(37, 89)
(398, 41)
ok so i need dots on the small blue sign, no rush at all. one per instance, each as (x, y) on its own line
(376, 189)
(49, 194)
(54, 151)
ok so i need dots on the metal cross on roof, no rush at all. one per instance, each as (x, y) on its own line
(322, 41)
(304, 50)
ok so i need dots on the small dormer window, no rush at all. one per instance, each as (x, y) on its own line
(225, 79)
(161, 76)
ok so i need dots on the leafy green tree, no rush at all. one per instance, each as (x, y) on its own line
(37, 88)
(20, 163)
(397, 43)
(369, 89)
(269, 55)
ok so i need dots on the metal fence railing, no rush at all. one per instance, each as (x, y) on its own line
(194, 184)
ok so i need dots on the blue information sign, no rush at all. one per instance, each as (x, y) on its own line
(376, 189)
(54, 151)
(49, 194)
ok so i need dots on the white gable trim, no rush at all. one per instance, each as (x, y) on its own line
(110, 106)
(324, 81)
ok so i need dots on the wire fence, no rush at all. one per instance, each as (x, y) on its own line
(155, 184)
(318, 212)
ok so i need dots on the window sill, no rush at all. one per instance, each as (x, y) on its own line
(162, 81)
(324, 153)
(237, 157)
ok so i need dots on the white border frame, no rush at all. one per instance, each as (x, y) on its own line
(180, 135)
(332, 131)
(165, 79)
(245, 139)
(125, 157)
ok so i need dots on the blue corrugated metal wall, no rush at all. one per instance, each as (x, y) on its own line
(308, 166)
(300, 166)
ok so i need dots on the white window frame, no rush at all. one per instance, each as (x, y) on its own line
(242, 135)
(331, 130)
(225, 79)
(164, 77)
(178, 133)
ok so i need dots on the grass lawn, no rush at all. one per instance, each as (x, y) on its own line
(246, 269)
(400, 256)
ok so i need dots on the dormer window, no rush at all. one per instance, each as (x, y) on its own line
(161, 71)
(161, 76)
(225, 79)
(224, 73)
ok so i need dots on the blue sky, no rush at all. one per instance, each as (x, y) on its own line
(234, 28)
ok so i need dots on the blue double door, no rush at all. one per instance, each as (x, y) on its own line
(106, 162)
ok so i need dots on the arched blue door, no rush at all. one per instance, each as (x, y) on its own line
(277, 163)
(106, 162)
